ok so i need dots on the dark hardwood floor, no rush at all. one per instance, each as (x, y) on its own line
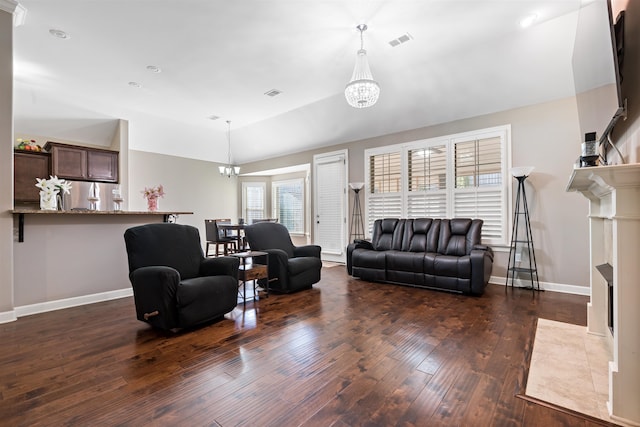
(346, 353)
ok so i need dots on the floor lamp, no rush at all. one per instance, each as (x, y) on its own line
(357, 225)
(522, 244)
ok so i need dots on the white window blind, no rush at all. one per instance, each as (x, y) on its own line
(427, 182)
(384, 197)
(462, 175)
(288, 204)
(253, 201)
(479, 189)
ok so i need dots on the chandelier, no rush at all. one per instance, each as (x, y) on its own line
(362, 91)
(229, 170)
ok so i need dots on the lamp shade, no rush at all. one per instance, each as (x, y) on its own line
(522, 171)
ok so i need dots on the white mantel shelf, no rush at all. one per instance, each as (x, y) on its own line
(614, 228)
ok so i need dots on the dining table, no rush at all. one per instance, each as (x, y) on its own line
(239, 235)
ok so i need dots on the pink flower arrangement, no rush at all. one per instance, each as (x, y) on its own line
(153, 192)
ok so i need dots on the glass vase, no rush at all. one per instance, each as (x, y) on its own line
(48, 201)
(152, 204)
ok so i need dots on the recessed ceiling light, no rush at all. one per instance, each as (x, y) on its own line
(135, 84)
(154, 69)
(59, 34)
(528, 20)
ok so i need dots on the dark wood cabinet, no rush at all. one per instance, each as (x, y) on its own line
(83, 163)
(27, 166)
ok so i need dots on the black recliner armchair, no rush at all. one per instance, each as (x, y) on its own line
(174, 285)
(291, 268)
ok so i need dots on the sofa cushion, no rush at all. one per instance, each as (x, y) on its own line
(387, 234)
(421, 235)
(405, 261)
(298, 265)
(369, 259)
(453, 266)
(458, 236)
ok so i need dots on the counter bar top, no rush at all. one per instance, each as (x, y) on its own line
(168, 216)
(88, 212)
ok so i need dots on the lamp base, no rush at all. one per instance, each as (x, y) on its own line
(586, 161)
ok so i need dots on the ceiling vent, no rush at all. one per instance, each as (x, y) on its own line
(400, 40)
(213, 117)
(273, 92)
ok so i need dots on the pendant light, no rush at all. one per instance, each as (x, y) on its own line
(362, 91)
(229, 170)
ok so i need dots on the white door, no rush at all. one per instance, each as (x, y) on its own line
(330, 204)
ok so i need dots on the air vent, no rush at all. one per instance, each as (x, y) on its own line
(400, 40)
(213, 117)
(273, 92)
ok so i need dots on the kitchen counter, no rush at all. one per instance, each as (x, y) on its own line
(168, 216)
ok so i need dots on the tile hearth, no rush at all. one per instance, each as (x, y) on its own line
(568, 368)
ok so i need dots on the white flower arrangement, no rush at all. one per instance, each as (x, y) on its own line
(49, 190)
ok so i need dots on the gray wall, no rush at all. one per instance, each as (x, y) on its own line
(546, 136)
(190, 185)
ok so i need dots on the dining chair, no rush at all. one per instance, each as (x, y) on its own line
(257, 220)
(216, 236)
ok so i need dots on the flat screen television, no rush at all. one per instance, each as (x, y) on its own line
(598, 56)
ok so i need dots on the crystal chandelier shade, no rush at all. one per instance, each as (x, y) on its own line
(362, 91)
(229, 170)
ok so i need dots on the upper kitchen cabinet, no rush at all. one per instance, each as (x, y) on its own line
(83, 163)
(27, 166)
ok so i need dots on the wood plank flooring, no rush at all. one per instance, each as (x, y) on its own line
(346, 353)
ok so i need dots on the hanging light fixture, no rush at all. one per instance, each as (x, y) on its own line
(362, 91)
(229, 170)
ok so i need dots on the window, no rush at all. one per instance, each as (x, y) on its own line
(253, 201)
(288, 204)
(459, 175)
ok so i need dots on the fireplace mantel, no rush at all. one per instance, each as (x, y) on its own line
(614, 227)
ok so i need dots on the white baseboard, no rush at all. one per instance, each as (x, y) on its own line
(547, 286)
(43, 307)
(8, 316)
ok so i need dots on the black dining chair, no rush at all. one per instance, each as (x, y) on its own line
(216, 236)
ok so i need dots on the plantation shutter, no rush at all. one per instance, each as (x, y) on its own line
(478, 191)
(427, 182)
(385, 185)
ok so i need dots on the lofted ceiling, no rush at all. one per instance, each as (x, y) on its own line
(219, 57)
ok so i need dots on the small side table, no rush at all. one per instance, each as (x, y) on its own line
(250, 270)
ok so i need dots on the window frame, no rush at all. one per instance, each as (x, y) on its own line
(497, 229)
(275, 204)
(263, 186)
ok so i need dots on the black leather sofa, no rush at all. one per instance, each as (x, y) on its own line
(174, 285)
(443, 254)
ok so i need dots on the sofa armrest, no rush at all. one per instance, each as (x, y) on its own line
(307, 251)
(220, 266)
(357, 244)
(481, 266)
(361, 243)
(154, 291)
